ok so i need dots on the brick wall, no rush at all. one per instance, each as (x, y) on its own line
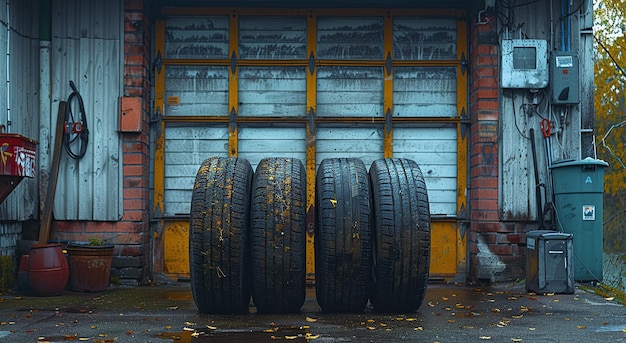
(134, 259)
(497, 249)
(131, 235)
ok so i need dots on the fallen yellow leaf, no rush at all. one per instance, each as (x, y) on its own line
(211, 327)
(309, 336)
(419, 328)
(371, 328)
(291, 337)
(581, 326)
(311, 320)
(609, 298)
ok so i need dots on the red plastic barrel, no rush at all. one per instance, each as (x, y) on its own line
(48, 271)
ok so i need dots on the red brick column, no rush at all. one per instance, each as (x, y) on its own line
(134, 258)
(485, 262)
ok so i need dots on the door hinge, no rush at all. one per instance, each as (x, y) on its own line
(158, 62)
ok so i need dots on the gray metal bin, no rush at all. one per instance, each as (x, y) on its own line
(578, 190)
(549, 256)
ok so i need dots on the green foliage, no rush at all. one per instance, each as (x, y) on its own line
(96, 242)
(7, 279)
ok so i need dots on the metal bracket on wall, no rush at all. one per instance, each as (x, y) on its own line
(158, 62)
(464, 63)
(233, 63)
(311, 63)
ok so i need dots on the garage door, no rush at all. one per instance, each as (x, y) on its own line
(311, 84)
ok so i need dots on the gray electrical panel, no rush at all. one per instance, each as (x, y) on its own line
(524, 63)
(564, 78)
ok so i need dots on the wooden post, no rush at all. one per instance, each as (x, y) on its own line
(48, 204)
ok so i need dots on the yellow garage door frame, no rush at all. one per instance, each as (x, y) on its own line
(448, 239)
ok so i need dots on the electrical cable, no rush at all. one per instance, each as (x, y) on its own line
(515, 118)
(519, 5)
(75, 130)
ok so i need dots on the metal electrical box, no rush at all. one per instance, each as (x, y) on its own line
(524, 63)
(549, 256)
(564, 78)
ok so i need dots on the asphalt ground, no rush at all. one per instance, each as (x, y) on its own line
(450, 313)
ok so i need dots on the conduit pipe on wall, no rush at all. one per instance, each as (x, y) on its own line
(8, 64)
(45, 94)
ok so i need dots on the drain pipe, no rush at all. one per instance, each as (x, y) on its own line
(46, 120)
(8, 62)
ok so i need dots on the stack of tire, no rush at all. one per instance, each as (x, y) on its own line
(248, 235)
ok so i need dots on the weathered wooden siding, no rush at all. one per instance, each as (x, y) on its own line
(435, 151)
(185, 149)
(516, 162)
(272, 91)
(87, 48)
(196, 90)
(364, 142)
(21, 114)
(425, 92)
(256, 143)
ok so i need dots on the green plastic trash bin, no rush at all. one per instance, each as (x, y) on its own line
(578, 189)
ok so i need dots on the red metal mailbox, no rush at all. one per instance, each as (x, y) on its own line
(17, 161)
